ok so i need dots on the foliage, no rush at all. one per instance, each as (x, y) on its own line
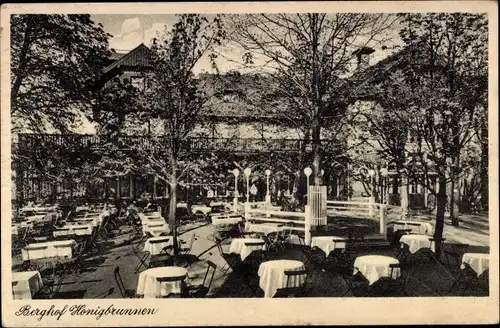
(308, 56)
(55, 61)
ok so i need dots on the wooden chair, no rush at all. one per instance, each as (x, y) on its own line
(293, 291)
(389, 286)
(200, 291)
(125, 293)
(232, 260)
(176, 279)
(141, 257)
(313, 255)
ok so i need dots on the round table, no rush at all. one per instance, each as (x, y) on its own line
(26, 284)
(226, 220)
(374, 267)
(479, 262)
(156, 248)
(238, 246)
(416, 242)
(272, 275)
(326, 243)
(148, 286)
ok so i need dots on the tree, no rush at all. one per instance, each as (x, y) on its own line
(177, 101)
(441, 94)
(309, 56)
(55, 61)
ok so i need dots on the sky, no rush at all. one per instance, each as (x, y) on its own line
(128, 31)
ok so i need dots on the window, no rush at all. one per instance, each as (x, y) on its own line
(137, 81)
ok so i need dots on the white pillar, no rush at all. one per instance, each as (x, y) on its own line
(307, 224)
(247, 211)
(383, 219)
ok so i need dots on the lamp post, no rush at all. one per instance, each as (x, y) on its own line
(236, 173)
(268, 195)
(371, 173)
(384, 172)
(307, 172)
(247, 173)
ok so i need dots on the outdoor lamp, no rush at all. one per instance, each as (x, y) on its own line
(268, 197)
(371, 173)
(236, 173)
(247, 172)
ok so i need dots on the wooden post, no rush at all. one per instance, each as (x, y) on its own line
(154, 187)
(371, 201)
(118, 188)
(307, 224)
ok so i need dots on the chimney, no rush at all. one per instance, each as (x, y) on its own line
(363, 57)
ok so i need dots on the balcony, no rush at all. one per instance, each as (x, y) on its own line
(79, 142)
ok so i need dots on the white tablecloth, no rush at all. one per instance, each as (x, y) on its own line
(92, 220)
(156, 248)
(424, 228)
(149, 287)
(265, 228)
(37, 218)
(74, 229)
(82, 209)
(28, 283)
(14, 229)
(479, 262)
(326, 243)
(156, 229)
(39, 209)
(238, 246)
(272, 275)
(374, 267)
(58, 248)
(417, 242)
(225, 220)
(152, 220)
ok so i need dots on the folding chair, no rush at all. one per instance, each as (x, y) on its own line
(400, 250)
(184, 252)
(200, 291)
(176, 279)
(121, 286)
(313, 255)
(142, 259)
(232, 260)
(389, 286)
(337, 254)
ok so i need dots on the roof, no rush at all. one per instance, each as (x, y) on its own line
(138, 57)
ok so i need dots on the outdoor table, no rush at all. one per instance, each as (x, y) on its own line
(238, 246)
(156, 229)
(77, 229)
(417, 242)
(35, 218)
(374, 267)
(265, 228)
(51, 249)
(326, 243)
(27, 283)
(38, 209)
(272, 275)
(424, 228)
(226, 220)
(15, 229)
(150, 287)
(152, 220)
(93, 221)
(161, 242)
(82, 209)
(479, 262)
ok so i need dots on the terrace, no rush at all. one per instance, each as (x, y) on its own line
(124, 248)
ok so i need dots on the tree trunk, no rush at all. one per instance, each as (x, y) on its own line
(454, 195)
(441, 209)
(172, 209)
(484, 167)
